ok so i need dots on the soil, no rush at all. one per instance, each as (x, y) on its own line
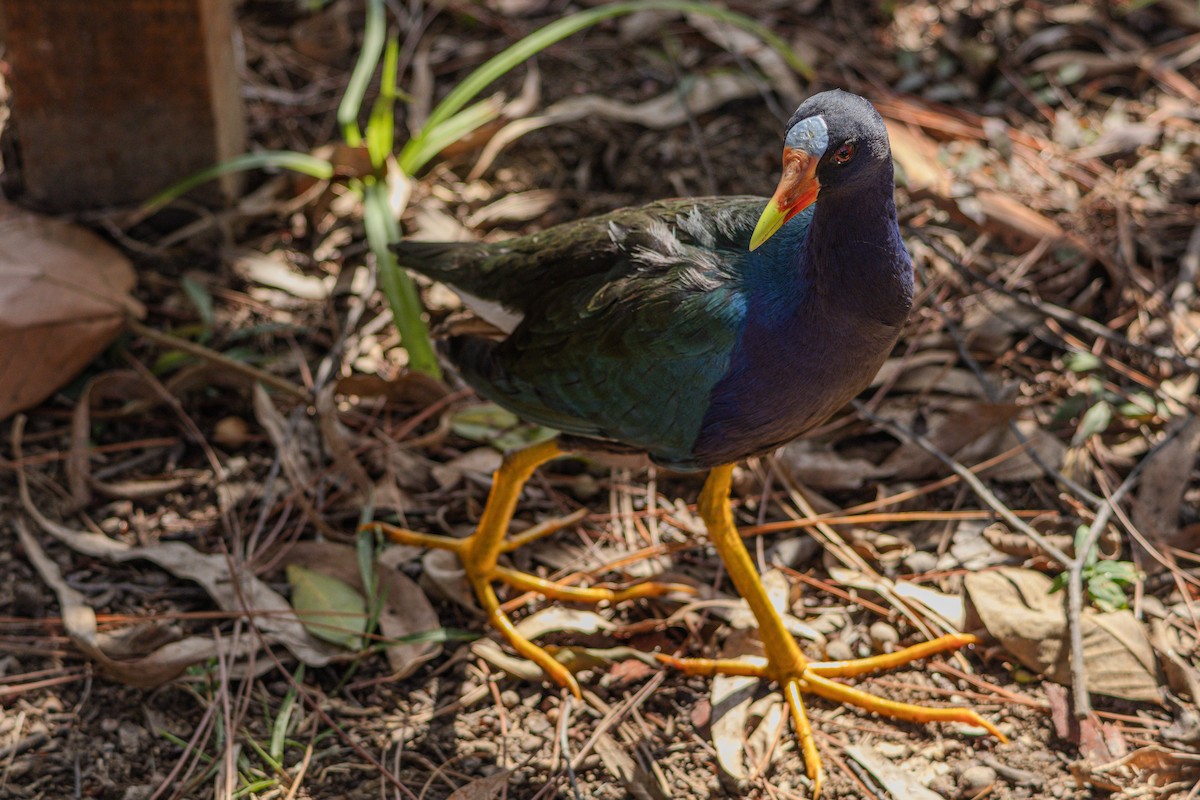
(353, 729)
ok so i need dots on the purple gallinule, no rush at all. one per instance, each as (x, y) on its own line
(698, 332)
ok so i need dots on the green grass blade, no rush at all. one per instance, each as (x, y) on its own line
(558, 30)
(303, 163)
(434, 140)
(398, 288)
(284, 719)
(381, 127)
(374, 36)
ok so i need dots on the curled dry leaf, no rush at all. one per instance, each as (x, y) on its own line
(1016, 607)
(703, 94)
(64, 296)
(1152, 771)
(899, 781)
(732, 696)
(548, 620)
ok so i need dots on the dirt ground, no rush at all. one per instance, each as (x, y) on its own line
(1048, 191)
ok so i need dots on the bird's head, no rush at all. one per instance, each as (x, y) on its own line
(835, 141)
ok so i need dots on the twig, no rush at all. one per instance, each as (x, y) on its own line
(968, 478)
(1082, 700)
(1063, 315)
(1074, 566)
(213, 357)
(964, 352)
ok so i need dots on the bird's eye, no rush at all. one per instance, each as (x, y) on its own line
(844, 153)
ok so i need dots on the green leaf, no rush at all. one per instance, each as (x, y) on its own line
(374, 37)
(483, 423)
(1095, 420)
(1119, 572)
(1107, 595)
(1082, 362)
(330, 609)
(303, 163)
(1140, 406)
(490, 424)
(500, 64)
(201, 299)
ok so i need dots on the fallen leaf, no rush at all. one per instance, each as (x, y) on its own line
(64, 296)
(487, 788)
(731, 697)
(1146, 770)
(702, 94)
(1166, 478)
(1016, 607)
(240, 592)
(548, 620)
(899, 781)
(637, 782)
(329, 608)
(405, 611)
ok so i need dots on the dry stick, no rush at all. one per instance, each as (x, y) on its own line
(1074, 565)
(213, 357)
(1082, 700)
(968, 478)
(1063, 315)
(960, 343)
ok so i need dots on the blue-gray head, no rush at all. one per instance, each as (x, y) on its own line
(835, 140)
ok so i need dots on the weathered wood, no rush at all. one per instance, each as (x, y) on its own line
(113, 101)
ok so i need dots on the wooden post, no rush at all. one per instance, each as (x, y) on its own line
(114, 100)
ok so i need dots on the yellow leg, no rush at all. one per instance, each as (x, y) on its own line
(786, 665)
(480, 551)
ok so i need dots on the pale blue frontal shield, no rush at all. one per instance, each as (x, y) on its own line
(810, 135)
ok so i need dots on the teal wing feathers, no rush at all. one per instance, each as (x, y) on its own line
(629, 321)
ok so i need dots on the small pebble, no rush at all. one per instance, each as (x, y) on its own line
(536, 723)
(110, 724)
(975, 779)
(883, 636)
(893, 750)
(510, 699)
(920, 562)
(838, 650)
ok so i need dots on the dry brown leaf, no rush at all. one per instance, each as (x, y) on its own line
(1152, 771)
(239, 593)
(1020, 228)
(548, 620)
(165, 662)
(637, 783)
(405, 611)
(898, 781)
(703, 94)
(1160, 492)
(731, 697)
(487, 788)
(1016, 607)
(64, 296)
(950, 432)
(819, 466)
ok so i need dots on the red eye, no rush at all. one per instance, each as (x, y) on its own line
(844, 153)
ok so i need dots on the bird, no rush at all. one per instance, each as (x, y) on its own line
(696, 332)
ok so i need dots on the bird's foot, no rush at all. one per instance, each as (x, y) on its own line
(797, 677)
(480, 552)
(786, 665)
